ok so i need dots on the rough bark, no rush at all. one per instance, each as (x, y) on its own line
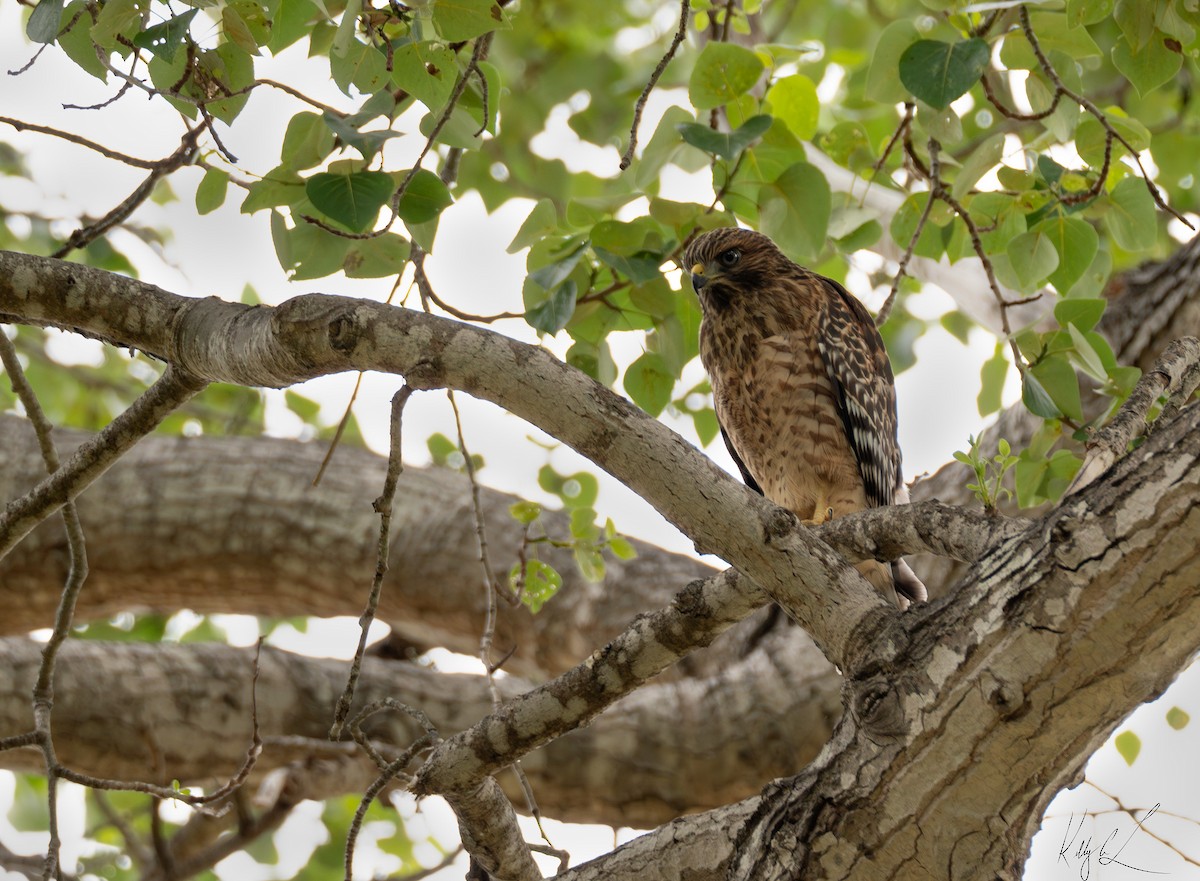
(1148, 307)
(235, 525)
(1062, 629)
(148, 711)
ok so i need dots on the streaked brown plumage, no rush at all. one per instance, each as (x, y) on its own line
(802, 386)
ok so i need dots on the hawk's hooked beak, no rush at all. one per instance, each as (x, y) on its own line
(698, 279)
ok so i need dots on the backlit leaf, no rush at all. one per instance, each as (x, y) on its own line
(722, 73)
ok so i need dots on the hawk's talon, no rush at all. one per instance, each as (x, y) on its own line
(828, 516)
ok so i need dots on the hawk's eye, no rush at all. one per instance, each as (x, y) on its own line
(729, 258)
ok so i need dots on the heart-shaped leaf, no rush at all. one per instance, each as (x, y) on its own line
(353, 200)
(938, 72)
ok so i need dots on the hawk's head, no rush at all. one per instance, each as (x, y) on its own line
(723, 262)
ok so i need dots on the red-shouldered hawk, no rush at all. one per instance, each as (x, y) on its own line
(802, 387)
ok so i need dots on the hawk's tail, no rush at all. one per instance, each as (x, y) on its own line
(909, 588)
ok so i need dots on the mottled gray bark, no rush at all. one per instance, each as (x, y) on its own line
(1063, 606)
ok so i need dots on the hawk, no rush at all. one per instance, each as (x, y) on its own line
(802, 387)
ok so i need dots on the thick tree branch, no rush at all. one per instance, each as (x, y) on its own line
(183, 710)
(1175, 375)
(237, 527)
(317, 334)
(92, 459)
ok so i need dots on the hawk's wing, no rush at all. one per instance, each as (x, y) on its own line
(746, 475)
(858, 368)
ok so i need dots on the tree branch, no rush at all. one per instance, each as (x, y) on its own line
(319, 334)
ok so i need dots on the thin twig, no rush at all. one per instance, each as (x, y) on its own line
(383, 506)
(902, 269)
(83, 236)
(1091, 108)
(21, 126)
(43, 689)
(685, 7)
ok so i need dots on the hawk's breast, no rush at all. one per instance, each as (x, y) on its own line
(778, 406)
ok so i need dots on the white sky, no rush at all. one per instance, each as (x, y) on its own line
(221, 252)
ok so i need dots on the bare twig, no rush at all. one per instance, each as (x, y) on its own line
(21, 126)
(684, 9)
(902, 270)
(43, 689)
(92, 231)
(383, 506)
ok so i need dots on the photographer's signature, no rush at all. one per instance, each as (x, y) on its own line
(1106, 853)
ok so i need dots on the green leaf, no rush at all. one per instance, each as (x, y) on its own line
(1058, 380)
(210, 193)
(293, 19)
(441, 448)
(649, 383)
(1150, 67)
(794, 100)
(553, 314)
(366, 143)
(525, 512)
(237, 31)
(1081, 12)
(458, 20)
(991, 381)
(1128, 745)
(1177, 718)
(724, 144)
(706, 425)
(117, 18)
(1036, 400)
(541, 582)
(883, 86)
(77, 41)
(1033, 258)
(723, 72)
(1090, 136)
(312, 252)
(1087, 357)
(1136, 19)
(279, 186)
(377, 257)
(306, 408)
(794, 210)
(234, 67)
(44, 21)
(361, 65)
(1076, 242)
(660, 148)
(353, 200)
(622, 549)
(639, 269)
(426, 197)
(542, 219)
(425, 70)
(1083, 312)
(553, 274)
(590, 563)
(1131, 219)
(982, 159)
(931, 244)
(306, 142)
(938, 72)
